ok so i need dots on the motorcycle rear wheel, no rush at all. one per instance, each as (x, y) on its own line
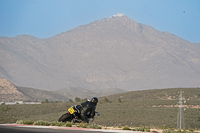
(66, 117)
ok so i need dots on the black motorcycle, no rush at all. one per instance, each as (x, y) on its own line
(73, 115)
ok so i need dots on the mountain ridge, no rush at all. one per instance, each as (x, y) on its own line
(112, 52)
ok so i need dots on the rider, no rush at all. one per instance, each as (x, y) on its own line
(88, 109)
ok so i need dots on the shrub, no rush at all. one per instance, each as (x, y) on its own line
(126, 128)
(154, 131)
(56, 123)
(77, 124)
(83, 125)
(71, 101)
(41, 122)
(191, 130)
(3, 103)
(119, 100)
(77, 99)
(53, 123)
(95, 126)
(106, 99)
(161, 127)
(139, 129)
(5, 108)
(184, 131)
(147, 130)
(68, 124)
(85, 99)
(46, 101)
(28, 122)
(143, 129)
(19, 122)
(169, 131)
(178, 131)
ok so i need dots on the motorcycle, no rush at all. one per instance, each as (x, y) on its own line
(73, 115)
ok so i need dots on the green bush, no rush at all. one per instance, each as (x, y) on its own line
(143, 129)
(178, 131)
(106, 99)
(19, 122)
(77, 99)
(28, 122)
(184, 131)
(53, 123)
(147, 130)
(139, 129)
(161, 127)
(119, 100)
(5, 108)
(56, 123)
(169, 131)
(95, 126)
(83, 125)
(126, 128)
(154, 131)
(191, 130)
(41, 122)
(3, 103)
(68, 124)
(71, 101)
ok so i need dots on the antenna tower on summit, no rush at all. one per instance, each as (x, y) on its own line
(180, 120)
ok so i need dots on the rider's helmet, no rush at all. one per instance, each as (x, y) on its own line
(94, 100)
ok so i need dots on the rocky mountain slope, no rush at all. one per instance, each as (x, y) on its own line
(114, 52)
(9, 92)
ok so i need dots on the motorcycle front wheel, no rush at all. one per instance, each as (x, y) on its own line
(66, 117)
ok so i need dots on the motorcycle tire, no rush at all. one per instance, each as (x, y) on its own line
(66, 117)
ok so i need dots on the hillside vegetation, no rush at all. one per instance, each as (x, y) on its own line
(154, 108)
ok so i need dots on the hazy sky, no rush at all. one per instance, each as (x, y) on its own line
(46, 18)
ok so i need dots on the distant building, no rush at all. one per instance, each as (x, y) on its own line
(19, 102)
(118, 15)
(32, 102)
(8, 103)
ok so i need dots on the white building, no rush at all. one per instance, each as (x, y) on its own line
(19, 102)
(118, 15)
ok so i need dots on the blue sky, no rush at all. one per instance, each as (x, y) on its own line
(46, 18)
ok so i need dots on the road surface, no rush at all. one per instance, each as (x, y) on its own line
(16, 128)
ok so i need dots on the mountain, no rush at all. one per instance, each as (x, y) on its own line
(114, 52)
(42, 95)
(73, 92)
(9, 92)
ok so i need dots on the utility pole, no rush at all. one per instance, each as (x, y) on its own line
(180, 120)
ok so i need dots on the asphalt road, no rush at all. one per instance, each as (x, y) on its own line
(4, 129)
(12, 129)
